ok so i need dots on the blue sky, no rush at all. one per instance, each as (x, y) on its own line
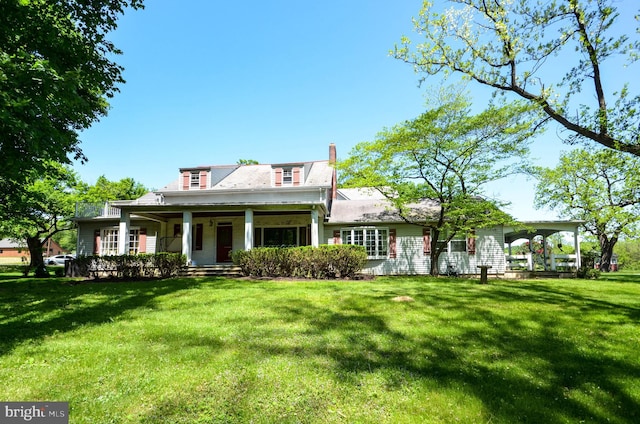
(212, 82)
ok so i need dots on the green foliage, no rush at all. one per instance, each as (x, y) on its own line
(326, 261)
(553, 54)
(588, 273)
(601, 187)
(434, 169)
(163, 265)
(628, 252)
(45, 208)
(247, 162)
(56, 74)
(104, 190)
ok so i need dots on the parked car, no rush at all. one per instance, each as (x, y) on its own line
(58, 259)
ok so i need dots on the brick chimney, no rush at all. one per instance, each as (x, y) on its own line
(332, 154)
(332, 162)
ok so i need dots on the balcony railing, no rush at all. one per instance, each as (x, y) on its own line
(96, 209)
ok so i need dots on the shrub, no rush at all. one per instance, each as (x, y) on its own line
(588, 273)
(326, 261)
(163, 265)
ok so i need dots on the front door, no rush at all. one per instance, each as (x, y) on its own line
(225, 243)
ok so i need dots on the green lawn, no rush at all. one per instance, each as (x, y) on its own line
(217, 350)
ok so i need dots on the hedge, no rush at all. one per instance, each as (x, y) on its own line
(323, 262)
(143, 265)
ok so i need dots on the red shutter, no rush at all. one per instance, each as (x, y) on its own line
(426, 241)
(186, 180)
(203, 180)
(96, 242)
(142, 246)
(278, 177)
(471, 243)
(296, 176)
(336, 237)
(392, 243)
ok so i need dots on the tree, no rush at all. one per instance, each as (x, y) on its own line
(56, 74)
(601, 188)
(45, 210)
(48, 206)
(247, 162)
(518, 46)
(104, 190)
(446, 155)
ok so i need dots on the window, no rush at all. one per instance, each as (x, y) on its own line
(375, 240)
(287, 176)
(109, 242)
(195, 179)
(134, 242)
(280, 236)
(196, 241)
(456, 244)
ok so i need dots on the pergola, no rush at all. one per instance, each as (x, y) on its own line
(530, 229)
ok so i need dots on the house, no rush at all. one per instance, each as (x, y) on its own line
(12, 249)
(209, 211)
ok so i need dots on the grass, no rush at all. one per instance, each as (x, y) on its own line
(218, 350)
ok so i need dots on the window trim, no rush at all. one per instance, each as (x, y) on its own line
(449, 244)
(287, 176)
(381, 245)
(111, 245)
(194, 180)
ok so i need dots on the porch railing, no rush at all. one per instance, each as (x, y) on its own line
(96, 209)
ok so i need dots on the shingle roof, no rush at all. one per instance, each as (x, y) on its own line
(375, 209)
(252, 177)
(10, 244)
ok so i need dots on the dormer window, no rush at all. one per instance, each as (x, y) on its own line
(288, 176)
(195, 179)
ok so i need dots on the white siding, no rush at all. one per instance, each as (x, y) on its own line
(410, 259)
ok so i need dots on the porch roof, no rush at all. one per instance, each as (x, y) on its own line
(531, 229)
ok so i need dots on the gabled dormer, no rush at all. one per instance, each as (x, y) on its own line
(194, 178)
(287, 175)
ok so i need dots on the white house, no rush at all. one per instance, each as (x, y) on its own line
(208, 211)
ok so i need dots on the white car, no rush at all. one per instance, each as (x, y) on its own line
(58, 259)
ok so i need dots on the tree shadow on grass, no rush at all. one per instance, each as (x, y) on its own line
(31, 309)
(523, 367)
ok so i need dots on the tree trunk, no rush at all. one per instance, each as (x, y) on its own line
(433, 269)
(37, 261)
(606, 251)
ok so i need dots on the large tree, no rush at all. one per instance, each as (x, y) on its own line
(45, 209)
(56, 74)
(446, 156)
(602, 188)
(555, 54)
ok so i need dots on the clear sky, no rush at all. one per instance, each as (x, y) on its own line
(211, 82)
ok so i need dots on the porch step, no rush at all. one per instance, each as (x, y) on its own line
(218, 270)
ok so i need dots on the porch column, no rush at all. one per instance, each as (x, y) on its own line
(576, 244)
(248, 229)
(544, 253)
(123, 233)
(314, 228)
(161, 243)
(187, 217)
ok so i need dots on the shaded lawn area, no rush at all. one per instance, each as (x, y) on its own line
(219, 350)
